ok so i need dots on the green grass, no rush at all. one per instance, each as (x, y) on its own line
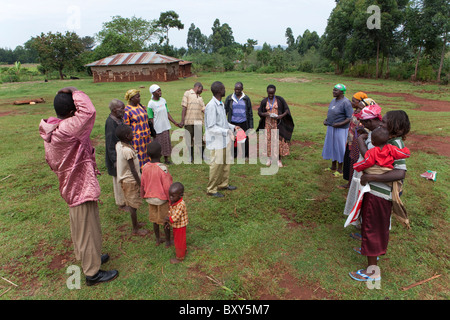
(291, 222)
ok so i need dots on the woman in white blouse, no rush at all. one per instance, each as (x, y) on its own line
(159, 115)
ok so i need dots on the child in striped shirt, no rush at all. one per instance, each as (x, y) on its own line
(178, 218)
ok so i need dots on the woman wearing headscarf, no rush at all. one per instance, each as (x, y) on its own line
(340, 113)
(370, 118)
(275, 114)
(383, 198)
(359, 101)
(136, 117)
(159, 115)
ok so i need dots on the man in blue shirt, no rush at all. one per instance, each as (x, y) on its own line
(238, 108)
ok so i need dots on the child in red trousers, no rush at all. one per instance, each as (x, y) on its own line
(178, 218)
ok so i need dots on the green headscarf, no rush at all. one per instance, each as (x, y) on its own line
(341, 87)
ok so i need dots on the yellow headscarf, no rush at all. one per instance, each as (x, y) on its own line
(130, 94)
(360, 95)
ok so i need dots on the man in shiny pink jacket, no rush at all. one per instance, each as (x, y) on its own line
(70, 154)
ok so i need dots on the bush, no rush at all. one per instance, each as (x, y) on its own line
(402, 71)
(306, 66)
(426, 73)
(267, 69)
(445, 79)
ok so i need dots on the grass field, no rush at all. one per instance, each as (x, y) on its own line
(280, 237)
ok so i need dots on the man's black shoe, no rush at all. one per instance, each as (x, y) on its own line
(230, 188)
(101, 276)
(105, 258)
(217, 195)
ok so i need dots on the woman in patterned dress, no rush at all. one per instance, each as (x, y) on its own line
(275, 114)
(136, 117)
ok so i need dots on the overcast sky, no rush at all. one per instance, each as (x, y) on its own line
(261, 20)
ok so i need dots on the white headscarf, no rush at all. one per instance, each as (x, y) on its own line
(153, 88)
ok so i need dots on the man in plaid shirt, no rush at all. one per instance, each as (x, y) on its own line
(178, 218)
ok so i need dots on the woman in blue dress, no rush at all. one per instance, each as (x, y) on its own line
(338, 119)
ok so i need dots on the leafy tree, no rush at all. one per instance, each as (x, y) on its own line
(340, 25)
(136, 32)
(31, 53)
(437, 28)
(58, 51)
(277, 59)
(249, 46)
(196, 41)
(412, 31)
(88, 43)
(166, 21)
(290, 40)
(222, 36)
(307, 41)
(114, 43)
(392, 15)
(263, 55)
(24, 54)
(348, 38)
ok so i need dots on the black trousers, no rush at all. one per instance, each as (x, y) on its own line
(244, 127)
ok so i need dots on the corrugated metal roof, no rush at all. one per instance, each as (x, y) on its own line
(121, 59)
(184, 62)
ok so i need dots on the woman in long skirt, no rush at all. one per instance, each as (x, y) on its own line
(340, 112)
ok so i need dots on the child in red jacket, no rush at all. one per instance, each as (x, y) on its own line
(155, 183)
(383, 154)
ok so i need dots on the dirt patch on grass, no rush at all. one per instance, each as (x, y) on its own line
(4, 114)
(292, 290)
(291, 80)
(423, 103)
(322, 104)
(292, 223)
(428, 144)
(303, 144)
(28, 281)
(60, 259)
(287, 286)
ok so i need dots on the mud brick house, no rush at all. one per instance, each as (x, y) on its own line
(139, 66)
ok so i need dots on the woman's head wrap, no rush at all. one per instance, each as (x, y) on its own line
(130, 94)
(153, 88)
(370, 112)
(360, 95)
(341, 87)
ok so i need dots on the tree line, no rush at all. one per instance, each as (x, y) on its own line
(409, 42)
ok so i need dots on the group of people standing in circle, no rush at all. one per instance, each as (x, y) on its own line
(368, 148)
(361, 139)
(153, 122)
(350, 124)
(136, 137)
